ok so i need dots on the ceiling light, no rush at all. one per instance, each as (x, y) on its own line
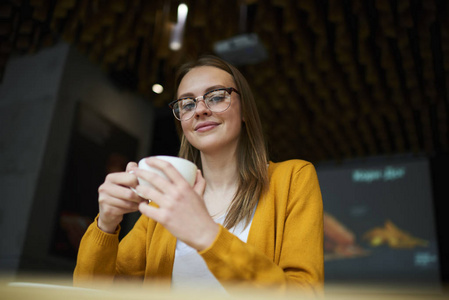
(178, 29)
(182, 13)
(157, 88)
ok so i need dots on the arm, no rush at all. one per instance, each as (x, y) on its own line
(297, 260)
(99, 248)
(101, 258)
(97, 256)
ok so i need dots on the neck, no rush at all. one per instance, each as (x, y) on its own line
(221, 175)
(220, 171)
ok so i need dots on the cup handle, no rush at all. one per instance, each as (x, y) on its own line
(135, 191)
(138, 194)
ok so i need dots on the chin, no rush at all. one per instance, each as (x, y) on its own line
(206, 146)
(212, 142)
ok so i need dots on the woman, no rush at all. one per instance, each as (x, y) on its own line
(246, 222)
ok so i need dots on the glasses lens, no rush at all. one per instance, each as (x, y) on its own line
(218, 101)
(184, 109)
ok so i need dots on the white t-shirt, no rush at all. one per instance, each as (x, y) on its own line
(190, 270)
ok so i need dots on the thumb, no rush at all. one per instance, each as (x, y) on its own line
(200, 183)
(131, 166)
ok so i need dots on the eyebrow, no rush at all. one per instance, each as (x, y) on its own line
(190, 95)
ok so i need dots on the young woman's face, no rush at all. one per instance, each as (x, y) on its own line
(211, 131)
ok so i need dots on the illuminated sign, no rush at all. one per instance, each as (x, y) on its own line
(389, 173)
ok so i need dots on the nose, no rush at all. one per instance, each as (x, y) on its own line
(201, 108)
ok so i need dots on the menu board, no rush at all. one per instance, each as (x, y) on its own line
(379, 223)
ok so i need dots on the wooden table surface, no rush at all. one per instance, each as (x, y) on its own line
(49, 288)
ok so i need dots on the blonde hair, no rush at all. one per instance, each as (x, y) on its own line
(252, 156)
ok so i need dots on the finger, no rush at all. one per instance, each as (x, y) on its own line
(200, 183)
(131, 166)
(117, 191)
(167, 168)
(156, 181)
(150, 211)
(119, 206)
(122, 178)
(151, 194)
(137, 193)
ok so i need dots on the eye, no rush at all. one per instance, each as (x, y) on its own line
(216, 97)
(186, 105)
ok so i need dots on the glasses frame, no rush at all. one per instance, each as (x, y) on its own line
(199, 98)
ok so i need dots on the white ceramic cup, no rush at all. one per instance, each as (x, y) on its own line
(185, 167)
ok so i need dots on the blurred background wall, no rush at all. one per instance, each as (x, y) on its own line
(29, 94)
(39, 96)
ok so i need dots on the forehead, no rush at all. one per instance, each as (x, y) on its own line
(200, 79)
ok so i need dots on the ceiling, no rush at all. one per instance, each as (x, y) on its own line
(343, 79)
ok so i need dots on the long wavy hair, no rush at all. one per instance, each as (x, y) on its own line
(252, 155)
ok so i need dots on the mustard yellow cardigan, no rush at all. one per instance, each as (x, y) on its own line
(284, 250)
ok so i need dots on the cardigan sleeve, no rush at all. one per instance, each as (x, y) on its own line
(297, 262)
(101, 258)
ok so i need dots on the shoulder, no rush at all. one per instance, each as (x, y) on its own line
(293, 173)
(292, 166)
(296, 181)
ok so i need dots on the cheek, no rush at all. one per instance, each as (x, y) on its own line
(235, 122)
(185, 125)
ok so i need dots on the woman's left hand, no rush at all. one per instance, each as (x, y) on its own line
(181, 208)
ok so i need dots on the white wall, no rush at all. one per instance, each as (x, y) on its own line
(38, 97)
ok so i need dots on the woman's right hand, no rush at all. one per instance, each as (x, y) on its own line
(115, 198)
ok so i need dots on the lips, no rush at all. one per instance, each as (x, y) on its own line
(205, 126)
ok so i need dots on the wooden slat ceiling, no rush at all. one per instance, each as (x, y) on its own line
(343, 79)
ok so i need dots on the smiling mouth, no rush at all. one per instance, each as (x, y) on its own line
(206, 127)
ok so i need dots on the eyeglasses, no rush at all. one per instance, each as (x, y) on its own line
(217, 100)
